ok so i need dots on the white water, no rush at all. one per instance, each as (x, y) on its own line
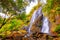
(32, 21)
(45, 26)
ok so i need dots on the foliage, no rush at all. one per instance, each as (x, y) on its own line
(9, 4)
(22, 16)
(12, 8)
(13, 25)
(51, 4)
(1, 20)
(58, 29)
(48, 6)
(20, 3)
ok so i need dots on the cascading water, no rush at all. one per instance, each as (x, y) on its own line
(36, 14)
(45, 26)
(32, 21)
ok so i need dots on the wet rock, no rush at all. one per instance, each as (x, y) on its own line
(35, 29)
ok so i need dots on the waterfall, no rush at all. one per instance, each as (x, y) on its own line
(36, 14)
(34, 17)
(45, 26)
